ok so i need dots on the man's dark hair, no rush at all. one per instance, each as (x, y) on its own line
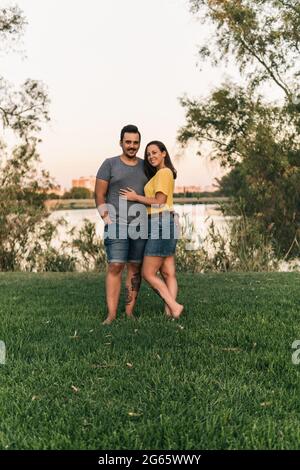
(130, 128)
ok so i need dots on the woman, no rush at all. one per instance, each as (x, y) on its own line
(162, 236)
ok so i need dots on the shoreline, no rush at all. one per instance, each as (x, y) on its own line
(70, 204)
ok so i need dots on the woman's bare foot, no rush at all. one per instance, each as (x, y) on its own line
(167, 311)
(176, 313)
(108, 320)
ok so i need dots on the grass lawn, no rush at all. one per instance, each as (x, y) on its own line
(220, 378)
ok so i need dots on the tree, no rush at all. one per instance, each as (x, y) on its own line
(78, 193)
(23, 186)
(255, 137)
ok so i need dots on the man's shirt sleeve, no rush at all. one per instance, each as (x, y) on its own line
(104, 172)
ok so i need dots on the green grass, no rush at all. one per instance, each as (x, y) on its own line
(220, 378)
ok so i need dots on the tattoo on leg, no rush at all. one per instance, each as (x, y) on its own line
(136, 282)
(129, 297)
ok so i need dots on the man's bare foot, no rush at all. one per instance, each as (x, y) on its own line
(176, 313)
(108, 320)
(130, 316)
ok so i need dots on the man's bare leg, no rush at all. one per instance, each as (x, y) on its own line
(113, 289)
(132, 287)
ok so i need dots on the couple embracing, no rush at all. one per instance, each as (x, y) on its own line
(126, 186)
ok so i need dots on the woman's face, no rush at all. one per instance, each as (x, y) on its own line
(155, 156)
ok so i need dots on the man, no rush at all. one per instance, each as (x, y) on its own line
(126, 170)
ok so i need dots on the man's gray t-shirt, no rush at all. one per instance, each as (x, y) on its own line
(120, 176)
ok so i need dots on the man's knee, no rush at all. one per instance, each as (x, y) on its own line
(116, 268)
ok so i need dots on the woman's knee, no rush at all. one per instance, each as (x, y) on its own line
(150, 269)
(147, 274)
(167, 273)
(144, 273)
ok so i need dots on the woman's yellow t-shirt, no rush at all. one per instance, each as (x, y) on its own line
(162, 182)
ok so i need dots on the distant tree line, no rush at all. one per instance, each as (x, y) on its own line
(73, 193)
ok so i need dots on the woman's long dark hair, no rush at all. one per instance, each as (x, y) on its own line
(149, 169)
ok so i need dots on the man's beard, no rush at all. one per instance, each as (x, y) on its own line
(131, 154)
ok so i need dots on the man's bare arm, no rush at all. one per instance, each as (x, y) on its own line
(101, 188)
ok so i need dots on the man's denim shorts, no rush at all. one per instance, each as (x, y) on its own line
(121, 245)
(163, 234)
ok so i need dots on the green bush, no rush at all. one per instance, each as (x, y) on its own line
(56, 262)
(90, 247)
(242, 248)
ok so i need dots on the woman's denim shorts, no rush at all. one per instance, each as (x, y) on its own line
(163, 234)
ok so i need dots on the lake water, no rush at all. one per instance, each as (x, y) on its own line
(199, 215)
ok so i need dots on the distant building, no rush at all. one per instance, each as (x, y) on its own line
(87, 182)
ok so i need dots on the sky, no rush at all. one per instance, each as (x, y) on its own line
(111, 63)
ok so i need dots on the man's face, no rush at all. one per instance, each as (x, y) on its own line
(130, 144)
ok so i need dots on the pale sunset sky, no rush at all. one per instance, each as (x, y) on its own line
(111, 63)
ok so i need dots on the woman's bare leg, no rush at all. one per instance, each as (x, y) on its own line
(168, 272)
(151, 266)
